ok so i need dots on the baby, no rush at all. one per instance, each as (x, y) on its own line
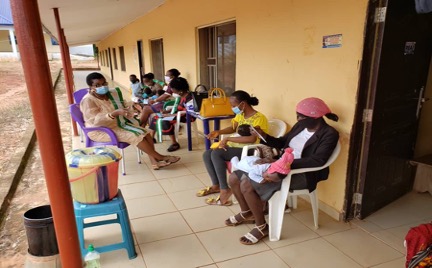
(265, 172)
(242, 130)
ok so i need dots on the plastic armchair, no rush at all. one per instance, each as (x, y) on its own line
(78, 96)
(78, 117)
(278, 200)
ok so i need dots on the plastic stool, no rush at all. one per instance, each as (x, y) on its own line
(115, 206)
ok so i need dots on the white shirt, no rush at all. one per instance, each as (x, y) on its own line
(298, 142)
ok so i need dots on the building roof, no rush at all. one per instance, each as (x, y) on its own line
(5, 13)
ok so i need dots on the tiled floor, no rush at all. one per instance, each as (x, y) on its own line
(174, 228)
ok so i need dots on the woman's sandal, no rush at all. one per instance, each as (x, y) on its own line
(216, 201)
(171, 159)
(160, 165)
(206, 191)
(250, 239)
(239, 219)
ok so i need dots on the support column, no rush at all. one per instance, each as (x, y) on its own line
(14, 47)
(37, 74)
(65, 59)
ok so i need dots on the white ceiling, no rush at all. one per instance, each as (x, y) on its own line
(88, 21)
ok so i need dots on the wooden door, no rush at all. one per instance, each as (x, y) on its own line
(393, 105)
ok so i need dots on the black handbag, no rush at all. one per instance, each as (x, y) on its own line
(198, 95)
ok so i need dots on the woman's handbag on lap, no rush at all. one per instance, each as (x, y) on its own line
(216, 105)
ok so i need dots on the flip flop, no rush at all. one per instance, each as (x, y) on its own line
(171, 159)
(216, 202)
(206, 191)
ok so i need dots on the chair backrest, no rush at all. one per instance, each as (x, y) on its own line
(77, 115)
(277, 127)
(79, 95)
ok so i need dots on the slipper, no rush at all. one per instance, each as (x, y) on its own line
(160, 165)
(173, 147)
(250, 239)
(234, 220)
(171, 159)
(206, 191)
(216, 201)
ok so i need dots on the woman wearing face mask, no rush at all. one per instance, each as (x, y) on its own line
(312, 141)
(179, 86)
(156, 105)
(214, 160)
(103, 107)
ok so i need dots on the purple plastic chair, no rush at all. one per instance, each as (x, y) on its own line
(78, 96)
(78, 117)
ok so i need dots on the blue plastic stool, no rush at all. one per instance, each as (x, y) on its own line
(115, 206)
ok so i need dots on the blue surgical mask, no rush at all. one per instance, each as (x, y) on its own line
(102, 90)
(237, 110)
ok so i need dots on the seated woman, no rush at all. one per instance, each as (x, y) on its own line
(103, 107)
(156, 105)
(153, 84)
(229, 147)
(312, 141)
(179, 86)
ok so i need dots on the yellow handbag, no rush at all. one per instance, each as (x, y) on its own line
(216, 106)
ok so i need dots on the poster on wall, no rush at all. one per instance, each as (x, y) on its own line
(332, 41)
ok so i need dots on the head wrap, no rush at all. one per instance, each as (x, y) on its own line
(312, 107)
(283, 164)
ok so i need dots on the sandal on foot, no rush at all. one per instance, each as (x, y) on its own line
(206, 191)
(160, 165)
(217, 202)
(173, 147)
(171, 159)
(260, 233)
(239, 219)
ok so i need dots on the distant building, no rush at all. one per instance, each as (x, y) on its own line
(8, 42)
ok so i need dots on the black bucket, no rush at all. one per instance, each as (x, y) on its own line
(40, 231)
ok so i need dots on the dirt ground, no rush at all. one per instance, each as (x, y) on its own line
(15, 117)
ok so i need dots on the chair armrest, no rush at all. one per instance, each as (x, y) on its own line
(246, 149)
(110, 133)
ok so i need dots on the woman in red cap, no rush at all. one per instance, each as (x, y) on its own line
(312, 141)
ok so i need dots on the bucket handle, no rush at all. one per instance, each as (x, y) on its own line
(84, 175)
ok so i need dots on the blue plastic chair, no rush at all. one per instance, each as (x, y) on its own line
(115, 206)
(78, 117)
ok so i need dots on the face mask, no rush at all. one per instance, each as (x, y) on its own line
(167, 79)
(237, 110)
(102, 90)
(308, 122)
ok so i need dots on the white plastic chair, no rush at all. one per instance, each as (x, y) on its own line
(177, 126)
(278, 200)
(277, 128)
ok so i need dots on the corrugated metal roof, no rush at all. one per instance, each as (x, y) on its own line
(5, 13)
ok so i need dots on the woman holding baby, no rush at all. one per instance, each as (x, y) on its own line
(312, 142)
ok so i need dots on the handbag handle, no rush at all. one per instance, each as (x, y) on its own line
(198, 86)
(218, 90)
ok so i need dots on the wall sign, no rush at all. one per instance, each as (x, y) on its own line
(409, 48)
(332, 41)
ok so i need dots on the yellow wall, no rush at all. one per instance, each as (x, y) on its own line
(280, 58)
(5, 46)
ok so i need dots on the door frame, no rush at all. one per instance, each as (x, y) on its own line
(140, 52)
(361, 132)
(110, 63)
